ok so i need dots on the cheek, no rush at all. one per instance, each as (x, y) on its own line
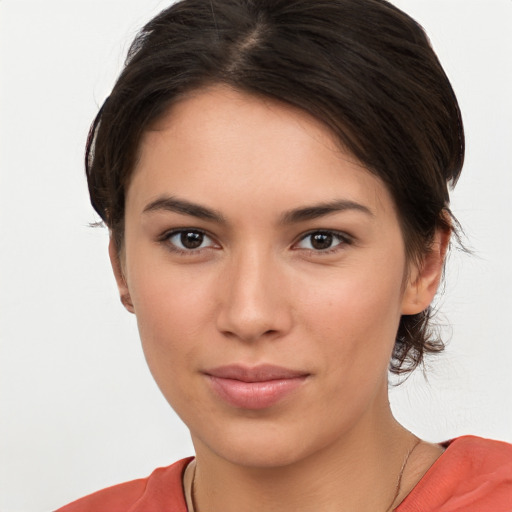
(353, 325)
(172, 316)
(172, 313)
(354, 316)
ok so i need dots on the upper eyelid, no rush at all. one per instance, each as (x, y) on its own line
(170, 232)
(165, 237)
(344, 241)
(341, 234)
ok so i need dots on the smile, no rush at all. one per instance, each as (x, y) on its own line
(254, 388)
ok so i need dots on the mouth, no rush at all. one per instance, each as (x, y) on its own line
(254, 388)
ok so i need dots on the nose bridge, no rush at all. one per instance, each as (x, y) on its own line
(254, 302)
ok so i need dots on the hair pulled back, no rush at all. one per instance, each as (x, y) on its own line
(363, 67)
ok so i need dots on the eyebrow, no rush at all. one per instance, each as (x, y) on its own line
(321, 210)
(172, 204)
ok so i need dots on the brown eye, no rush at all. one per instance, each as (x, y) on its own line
(323, 241)
(189, 240)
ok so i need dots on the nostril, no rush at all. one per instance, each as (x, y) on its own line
(250, 335)
(251, 305)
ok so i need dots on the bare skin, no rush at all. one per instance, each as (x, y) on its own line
(291, 492)
(252, 239)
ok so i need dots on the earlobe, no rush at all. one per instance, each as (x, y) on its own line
(424, 279)
(122, 286)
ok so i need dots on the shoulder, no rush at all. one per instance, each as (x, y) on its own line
(156, 492)
(473, 474)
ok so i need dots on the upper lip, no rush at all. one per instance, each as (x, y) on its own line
(260, 373)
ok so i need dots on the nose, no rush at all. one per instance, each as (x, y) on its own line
(254, 302)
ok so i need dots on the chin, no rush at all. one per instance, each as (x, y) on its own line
(261, 455)
(261, 444)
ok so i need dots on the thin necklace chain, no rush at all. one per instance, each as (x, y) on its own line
(189, 491)
(400, 475)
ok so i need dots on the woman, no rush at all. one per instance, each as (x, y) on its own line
(274, 175)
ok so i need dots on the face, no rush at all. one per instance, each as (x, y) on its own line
(267, 270)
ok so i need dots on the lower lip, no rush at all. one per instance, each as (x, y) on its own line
(254, 395)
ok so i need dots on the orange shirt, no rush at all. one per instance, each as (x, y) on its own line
(472, 475)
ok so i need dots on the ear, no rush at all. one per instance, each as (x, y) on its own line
(425, 277)
(122, 286)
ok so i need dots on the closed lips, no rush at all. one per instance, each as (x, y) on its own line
(260, 373)
(254, 388)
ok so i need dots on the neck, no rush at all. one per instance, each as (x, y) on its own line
(359, 471)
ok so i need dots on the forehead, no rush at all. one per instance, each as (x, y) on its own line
(224, 146)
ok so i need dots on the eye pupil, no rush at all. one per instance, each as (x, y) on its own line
(321, 240)
(191, 239)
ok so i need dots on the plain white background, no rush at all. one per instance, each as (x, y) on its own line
(79, 410)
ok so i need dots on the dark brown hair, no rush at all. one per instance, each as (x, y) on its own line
(363, 67)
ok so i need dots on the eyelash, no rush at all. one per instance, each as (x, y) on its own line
(343, 240)
(165, 238)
